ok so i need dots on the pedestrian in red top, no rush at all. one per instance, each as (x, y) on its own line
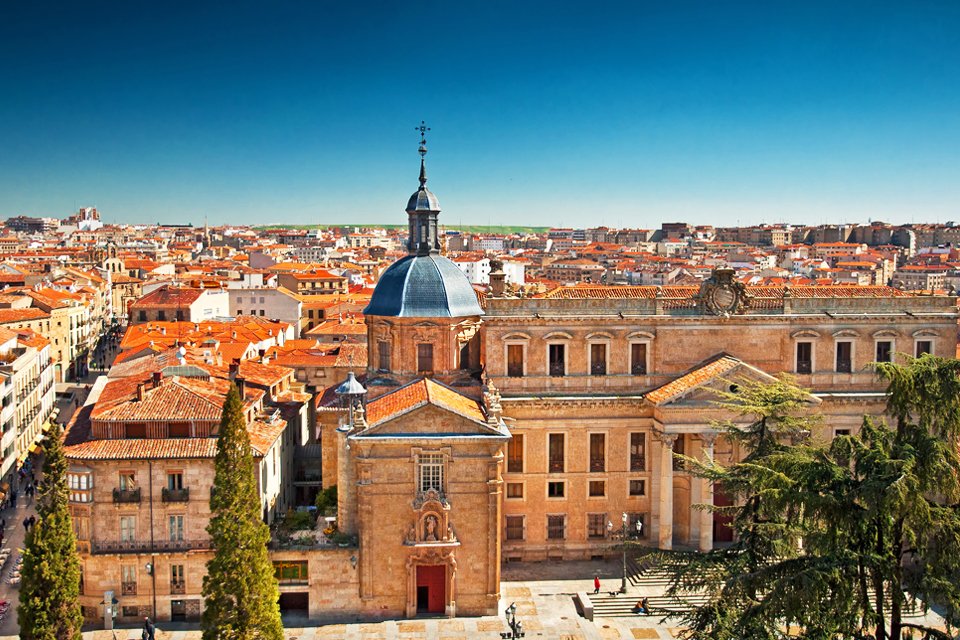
(596, 584)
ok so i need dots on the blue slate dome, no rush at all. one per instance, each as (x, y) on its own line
(424, 286)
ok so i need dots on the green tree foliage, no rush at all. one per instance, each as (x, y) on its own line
(50, 589)
(828, 533)
(327, 500)
(240, 590)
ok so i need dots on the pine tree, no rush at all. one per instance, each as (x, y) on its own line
(849, 532)
(50, 589)
(240, 590)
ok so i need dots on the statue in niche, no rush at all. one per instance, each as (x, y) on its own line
(430, 529)
(412, 534)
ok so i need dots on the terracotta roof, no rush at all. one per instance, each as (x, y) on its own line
(167, 297)
(419, 394)
(143, 449)
(583, 292)
(22, 315)
(717, 366)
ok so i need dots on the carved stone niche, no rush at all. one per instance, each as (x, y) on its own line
(431, 523)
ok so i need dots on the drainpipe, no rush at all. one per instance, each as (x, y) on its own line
(153, 556)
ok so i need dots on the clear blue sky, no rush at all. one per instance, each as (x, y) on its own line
(543, 113)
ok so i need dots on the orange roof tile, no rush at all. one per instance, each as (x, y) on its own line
(418, 394)
(716, 366)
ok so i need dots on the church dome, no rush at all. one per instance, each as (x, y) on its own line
(424, 286)
(423, 200)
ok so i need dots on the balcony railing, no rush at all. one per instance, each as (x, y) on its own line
(597, 464)
(128, 588)
(638, 463)
(126, 495)
(178, 588)
(557, 369)
(556, 466)
(145, 546)
(175, 495)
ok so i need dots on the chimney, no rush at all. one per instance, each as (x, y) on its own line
(141, 392)
(241, 385)
(498, 278)
(234, 368)
(157, 376)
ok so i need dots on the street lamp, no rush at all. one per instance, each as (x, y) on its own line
(516, 628)
(623, 541)
(153, 577)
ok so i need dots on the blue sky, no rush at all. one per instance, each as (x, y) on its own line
(543, 113)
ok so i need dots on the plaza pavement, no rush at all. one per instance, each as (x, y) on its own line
(542, 592)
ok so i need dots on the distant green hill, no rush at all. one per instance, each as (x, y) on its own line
(472, 228)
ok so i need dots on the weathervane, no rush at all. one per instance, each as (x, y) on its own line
(423, 128)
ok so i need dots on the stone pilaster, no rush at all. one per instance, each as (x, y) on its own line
(665, 540)
(706, 494)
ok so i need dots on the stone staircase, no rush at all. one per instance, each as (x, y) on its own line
(646, 579)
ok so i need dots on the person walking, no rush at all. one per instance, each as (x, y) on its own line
(149, 629)
(596, 584)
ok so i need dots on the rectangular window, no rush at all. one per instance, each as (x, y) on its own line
(638, 487)
(598, 446)
(464, 355)
(638, 358)
(128, 579)
(176, 528)
(128, 528)
(515, 527)
(638, 452)
(177, 582)
(556, 527)
(804, 357)
(841, 432)
(515, 490)
(291, 571)
(924, 346)
(597, 488)
(515, 454)
(141, 316)
(844, 357)
(555, 441)
(430, 472)
(425, 357)
(175, 481)
(884, 351)
(678, 447)
(383, 355)
(555, 489)
(598, 359)
(161, 315)
(596, 525)
(128, 481)
(515, 360)
(557, 359)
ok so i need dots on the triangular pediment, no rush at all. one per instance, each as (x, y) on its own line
(428, 408)
(698, 386)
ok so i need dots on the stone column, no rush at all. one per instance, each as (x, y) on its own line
(706, 494)
(666, 489)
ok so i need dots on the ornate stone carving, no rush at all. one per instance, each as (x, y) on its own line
(722, 295)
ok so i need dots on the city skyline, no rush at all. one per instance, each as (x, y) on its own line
(542, 115)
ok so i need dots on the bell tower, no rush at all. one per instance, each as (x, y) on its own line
(423, 209)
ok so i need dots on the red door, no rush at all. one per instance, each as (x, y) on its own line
(431, 588)
(722, 531)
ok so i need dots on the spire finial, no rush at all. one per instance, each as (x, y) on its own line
(423, 128)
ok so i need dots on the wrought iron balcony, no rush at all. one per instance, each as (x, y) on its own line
(175, 495)
(126, 495)
(128, 588)
(556, 466)
(597, 464)
(178, 587)
(145, 546)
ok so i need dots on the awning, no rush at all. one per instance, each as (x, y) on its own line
(46, 426)
(33, 448)
(23, 457)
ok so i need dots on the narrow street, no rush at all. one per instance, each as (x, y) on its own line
(13, 539)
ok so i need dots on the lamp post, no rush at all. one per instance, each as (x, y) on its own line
(623, 542)
(516, 628)
(153, 584)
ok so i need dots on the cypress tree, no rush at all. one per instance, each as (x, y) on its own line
(50, 588)
(240, 590)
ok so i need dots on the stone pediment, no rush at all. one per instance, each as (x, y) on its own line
(427, 408)
(697, 387)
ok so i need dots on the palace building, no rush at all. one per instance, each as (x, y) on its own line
(487, 427)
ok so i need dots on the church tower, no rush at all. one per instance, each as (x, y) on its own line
(423, 317)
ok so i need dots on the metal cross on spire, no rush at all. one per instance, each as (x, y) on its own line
(423, 128)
